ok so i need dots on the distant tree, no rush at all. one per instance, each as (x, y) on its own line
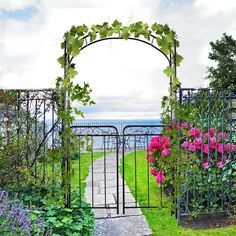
(223, 52)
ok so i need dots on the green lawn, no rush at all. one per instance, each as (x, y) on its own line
(160, 220)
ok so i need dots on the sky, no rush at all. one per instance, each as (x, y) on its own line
(126, 76)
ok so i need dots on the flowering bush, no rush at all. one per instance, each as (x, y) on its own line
(158, 154)
(16, 219)
(210, 147)
(204, 163)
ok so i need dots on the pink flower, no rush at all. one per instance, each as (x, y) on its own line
(165, 142)
(220, 163)
(191, 148)
(219, 147)
(153, 172)
(212, 143)
(150, 148)
(220, 135)
(160, 177)
(206, 164)
(185, 144)
(165, 152)
(205, 148)
(229, 146)
(212, 131)
(195, 132)
(198, 143)
(151, 159)
(233, 147)
(205, 135)
(156, 145)
(148, 156)
(155, 139)
(184, 125)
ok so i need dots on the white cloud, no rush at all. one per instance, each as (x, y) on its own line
(211, 7)
(13, 5)
(134, 4)
(128, 74)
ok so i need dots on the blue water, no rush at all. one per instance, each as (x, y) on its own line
(141, 140)
(118, 123)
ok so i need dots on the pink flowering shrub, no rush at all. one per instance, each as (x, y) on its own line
(211, 150)
(158, 153)
(208, 147)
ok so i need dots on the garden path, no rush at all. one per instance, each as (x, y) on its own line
(107, 222)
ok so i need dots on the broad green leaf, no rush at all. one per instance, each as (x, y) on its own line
(78, 226)
(169, 71)
(71, 73)
(92, 36)
(66, 219)
(77, 44)
(68, 209)
(125, 33)
(81, 30)
(176, 82)
(166, 29)
(61, 61)
(116, 26)
(163, 43)
(73, 30)
(157, 28)
(70, 38)
(179, 58)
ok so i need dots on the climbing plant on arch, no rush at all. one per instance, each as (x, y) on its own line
(77, 38)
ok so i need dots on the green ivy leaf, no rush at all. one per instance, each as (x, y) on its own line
(176, 82)
(125, 33)
(70, 38)
(166, 29)
(73, 30)
(71, 72)
(169, 71)
(92, 36)
(61, 61)
(81, 30)
(77, 44)
(157, 28)
(179, 58)
(163, 43)
(116, 26)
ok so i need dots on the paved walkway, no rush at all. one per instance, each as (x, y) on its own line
(107, 222)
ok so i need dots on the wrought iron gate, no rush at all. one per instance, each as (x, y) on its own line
(135, 140)
(101, 145)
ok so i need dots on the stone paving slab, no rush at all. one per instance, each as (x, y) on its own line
(123, 226)
(99, 199)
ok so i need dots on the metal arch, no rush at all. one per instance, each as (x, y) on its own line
(131, 38)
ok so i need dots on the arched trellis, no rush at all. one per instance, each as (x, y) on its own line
(158, 36)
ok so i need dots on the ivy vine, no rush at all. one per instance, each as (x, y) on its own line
(74, 41)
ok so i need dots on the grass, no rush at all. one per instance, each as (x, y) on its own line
(84, 163)
(160, 219)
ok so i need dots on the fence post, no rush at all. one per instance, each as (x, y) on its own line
(65, 129)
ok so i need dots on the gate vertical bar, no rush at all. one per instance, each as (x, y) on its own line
(117, 170)
(123, 169)
(178, 200)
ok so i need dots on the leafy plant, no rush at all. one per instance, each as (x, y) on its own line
(17, 219)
